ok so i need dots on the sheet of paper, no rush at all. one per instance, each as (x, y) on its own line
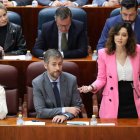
(105, 124)
(77, 123)
(14, 57)
(33, 123)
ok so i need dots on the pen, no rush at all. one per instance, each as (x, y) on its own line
(35, 121)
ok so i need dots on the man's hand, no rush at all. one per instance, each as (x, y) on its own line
(73, 110)
(85, 89)
(59, 119)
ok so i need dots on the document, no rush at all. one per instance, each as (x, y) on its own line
(14, 57)
(105, 124)
(33, 123)
(77, 123)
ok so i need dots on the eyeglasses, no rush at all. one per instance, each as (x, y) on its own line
(63, 26)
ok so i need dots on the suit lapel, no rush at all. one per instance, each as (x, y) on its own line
(55, 37)
(9, 37)
(48, 89)
(63, 88)
(112, 66)
(71, 35)
(135, 64)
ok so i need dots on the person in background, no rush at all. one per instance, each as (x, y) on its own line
(118, 74)
(57, 3)
(14, 3)
(65, 34)
(11, 38)
(106, 3)
(128, 13)
(3, 104)
(55, 93)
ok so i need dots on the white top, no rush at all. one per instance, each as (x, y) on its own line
(125, 72)
(3, 105)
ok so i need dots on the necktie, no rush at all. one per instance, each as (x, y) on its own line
(56, 94)
(64, 44)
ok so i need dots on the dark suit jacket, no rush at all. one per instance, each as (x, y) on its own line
(23, 2)
(44, 99)
(14, 42)
(47, 2)
(111, 22)
(77, 40)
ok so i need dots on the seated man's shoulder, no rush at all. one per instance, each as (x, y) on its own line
(78, 25)
(114, 18)
(77, 22)
(39, 78)
(68, 75)
(49, 23)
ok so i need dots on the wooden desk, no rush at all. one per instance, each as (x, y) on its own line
(96, 17)
(124, 129)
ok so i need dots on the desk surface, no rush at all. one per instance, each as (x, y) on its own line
(125, 129)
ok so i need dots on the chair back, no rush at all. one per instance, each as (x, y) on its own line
(47, 14)
(36, 68)
(115, 12)
(8, 78)
(14, 17)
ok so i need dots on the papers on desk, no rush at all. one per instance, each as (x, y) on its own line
(33, 123)
(14, 57)
(87, 123)
(77, 123)
(105, 124)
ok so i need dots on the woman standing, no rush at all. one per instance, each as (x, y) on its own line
(119, 74)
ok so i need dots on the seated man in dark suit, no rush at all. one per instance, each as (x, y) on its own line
(56, 3)
(55, 93)
(65, 34)
(128, 13)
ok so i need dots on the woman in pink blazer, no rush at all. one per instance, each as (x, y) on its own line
(119, 74)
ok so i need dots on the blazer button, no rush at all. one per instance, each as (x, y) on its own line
(110, 76)
(111, 88)
(110, 100)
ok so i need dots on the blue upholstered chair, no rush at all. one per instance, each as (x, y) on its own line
(115, 12)
(47, 14)
(14, 17)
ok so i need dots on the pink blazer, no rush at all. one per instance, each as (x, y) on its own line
(107, 78)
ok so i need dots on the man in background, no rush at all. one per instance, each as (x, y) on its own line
(65, 34)
(128, 13)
